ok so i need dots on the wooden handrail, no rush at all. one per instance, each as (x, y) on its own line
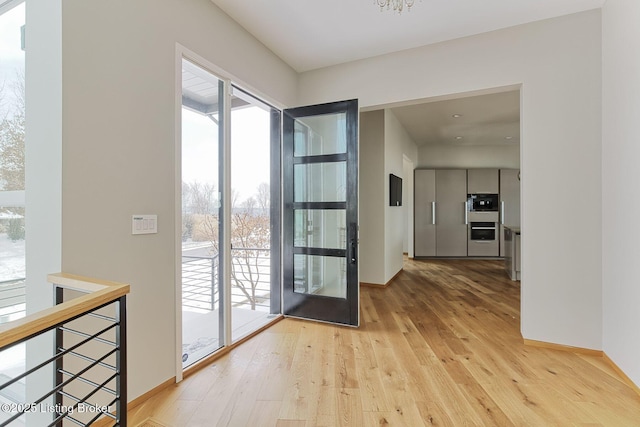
(98, 292)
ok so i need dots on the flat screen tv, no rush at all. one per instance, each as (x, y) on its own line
(395, 190)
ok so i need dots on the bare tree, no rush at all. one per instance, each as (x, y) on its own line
(202, 197)
(12, 133)
(263, 196)
(199, 201)
(12, 149)
(12, 152)
(250, 243)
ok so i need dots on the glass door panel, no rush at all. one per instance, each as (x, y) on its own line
(320, 228)
(202, 302)
(255, 194)
(318, 135)
(320, 182)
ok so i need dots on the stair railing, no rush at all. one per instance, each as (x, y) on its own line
(88, 362)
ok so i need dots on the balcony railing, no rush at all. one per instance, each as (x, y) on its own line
(87, 331)
(12, 299)
(250, 280)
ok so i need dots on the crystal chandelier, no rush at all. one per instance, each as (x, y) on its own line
(397, 5)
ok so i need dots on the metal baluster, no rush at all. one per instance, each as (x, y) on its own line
(121, 361)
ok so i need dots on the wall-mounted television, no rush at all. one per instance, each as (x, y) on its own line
(395, 190)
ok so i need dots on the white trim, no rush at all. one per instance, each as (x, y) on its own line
(178, 214)
(406, 161)
(226, 212)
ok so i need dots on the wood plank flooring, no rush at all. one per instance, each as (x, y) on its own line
(439, 347)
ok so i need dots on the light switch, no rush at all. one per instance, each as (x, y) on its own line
(144, 224)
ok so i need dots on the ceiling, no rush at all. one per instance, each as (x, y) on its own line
(479, 120)
(309, 35)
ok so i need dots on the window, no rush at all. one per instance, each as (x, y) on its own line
(12, 162)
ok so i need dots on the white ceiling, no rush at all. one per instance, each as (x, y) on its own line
(479, 120)
(310, 34)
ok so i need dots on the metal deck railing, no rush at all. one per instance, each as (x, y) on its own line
(250, 280)
(12, 299)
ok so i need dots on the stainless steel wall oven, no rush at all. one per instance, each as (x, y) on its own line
(483, 202)
(482, 231)
(483, 239)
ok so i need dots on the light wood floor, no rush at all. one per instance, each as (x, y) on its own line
(440, 346)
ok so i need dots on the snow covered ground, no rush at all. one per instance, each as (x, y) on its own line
(12, 265)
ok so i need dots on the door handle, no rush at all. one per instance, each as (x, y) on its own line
(353, 252)
(502, 212)
(353, 244)
(466, 213)
(433, 213)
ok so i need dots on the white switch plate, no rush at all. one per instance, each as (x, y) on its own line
(144, 224)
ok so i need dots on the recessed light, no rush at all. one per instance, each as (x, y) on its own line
(508, 137)
(458, 138)
(456, 116)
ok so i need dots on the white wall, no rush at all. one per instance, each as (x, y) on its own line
(461, 157)
(558, 63)
(119, 126)
(407, 195)
(384, 144)
(371, 197)
(43, 175)
(397, 144)
(621, 192)
(43, 90)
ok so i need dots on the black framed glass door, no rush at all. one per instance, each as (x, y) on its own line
(320, 194)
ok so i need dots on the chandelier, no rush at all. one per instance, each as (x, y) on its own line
(397, 5)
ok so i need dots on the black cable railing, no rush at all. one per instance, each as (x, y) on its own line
(88, 361)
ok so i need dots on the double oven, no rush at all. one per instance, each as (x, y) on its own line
(483, 234)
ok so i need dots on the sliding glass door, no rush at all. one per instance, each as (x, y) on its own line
(230, 229)
(203, 310)
(254, 216)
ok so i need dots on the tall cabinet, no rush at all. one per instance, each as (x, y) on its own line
(509, 203)
(425, 212)
(440, 212)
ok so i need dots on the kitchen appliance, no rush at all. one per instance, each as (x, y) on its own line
(483, 202)
(483, 239)
(482, 231)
